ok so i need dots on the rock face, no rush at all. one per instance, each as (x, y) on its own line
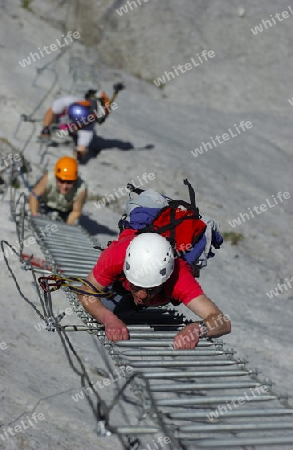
(171, 133)
(249, 71)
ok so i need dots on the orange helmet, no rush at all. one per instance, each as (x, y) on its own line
(66, 168)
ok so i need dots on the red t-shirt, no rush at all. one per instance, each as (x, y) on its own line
(180, 286)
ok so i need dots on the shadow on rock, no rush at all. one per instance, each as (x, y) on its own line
(98, 144)
(94, 228)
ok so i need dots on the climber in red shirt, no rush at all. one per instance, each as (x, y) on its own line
(146, 267)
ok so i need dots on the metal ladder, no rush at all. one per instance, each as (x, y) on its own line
(206, 397)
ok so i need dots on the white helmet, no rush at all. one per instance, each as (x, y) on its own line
(149, 260)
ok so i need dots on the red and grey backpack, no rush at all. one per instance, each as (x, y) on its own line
(178, 221)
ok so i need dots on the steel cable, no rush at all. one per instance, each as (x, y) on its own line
(15, 279)
(52, 63)
(101, 411)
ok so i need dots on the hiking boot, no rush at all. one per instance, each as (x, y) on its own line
(81, 157)
(45, 133)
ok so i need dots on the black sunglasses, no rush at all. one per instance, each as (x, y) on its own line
(149, 291)
(65, 181)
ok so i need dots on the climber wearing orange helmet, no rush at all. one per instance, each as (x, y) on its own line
(60, 192)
